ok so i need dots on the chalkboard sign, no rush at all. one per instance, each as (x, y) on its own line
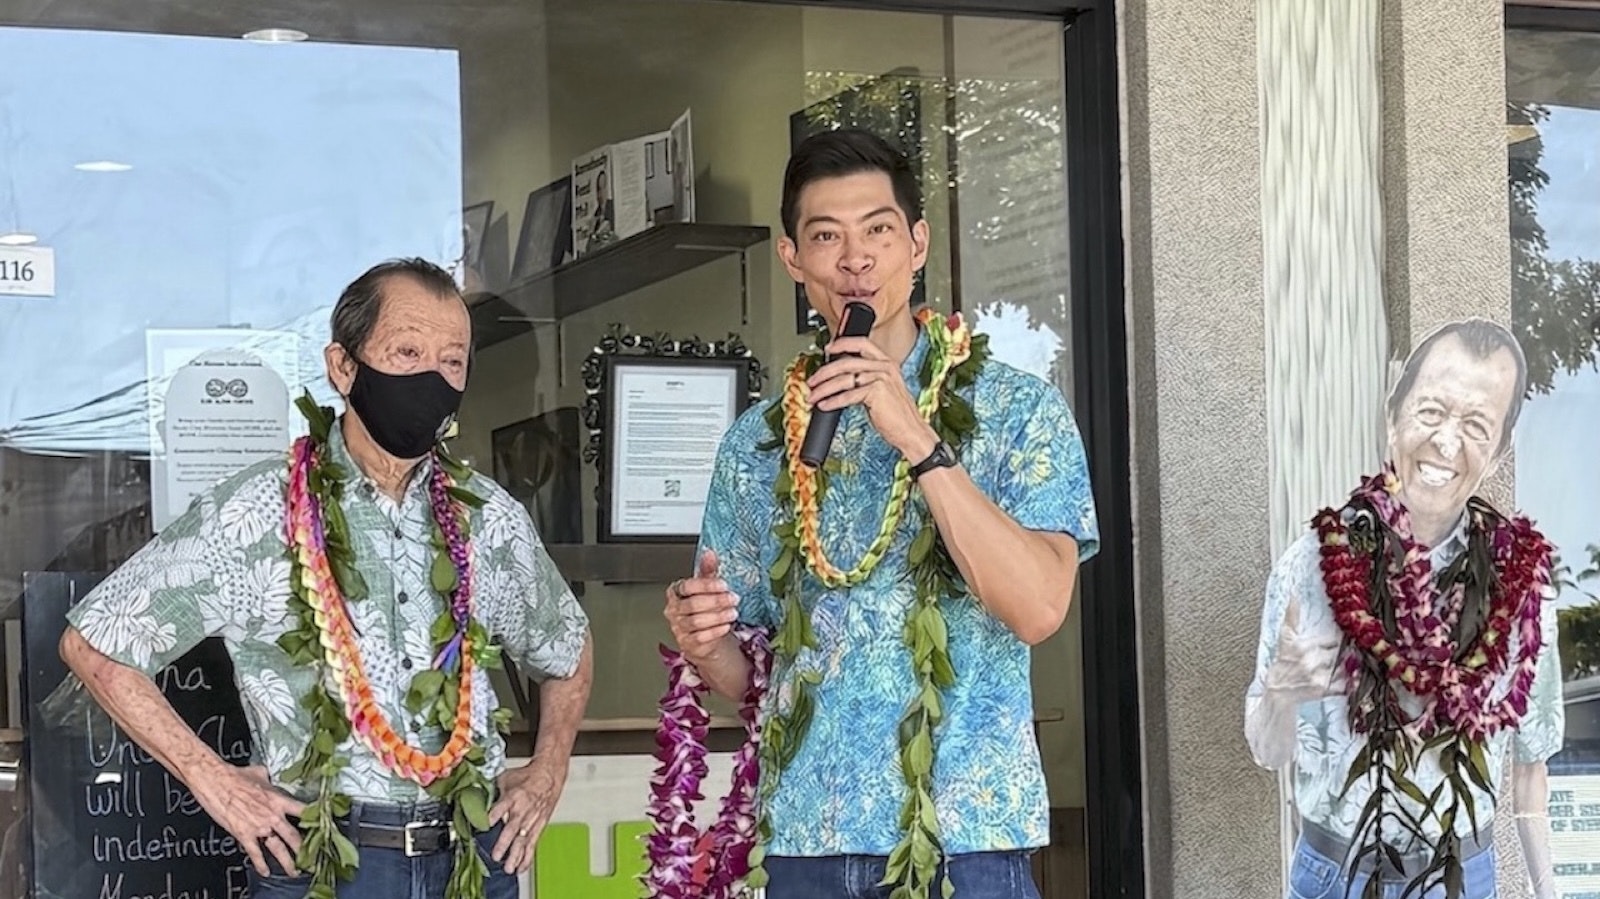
(107, 821)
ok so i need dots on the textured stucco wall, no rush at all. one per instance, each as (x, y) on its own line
(1449, 250)
(1445, 159)
(1444, 126)
(1199, 401)
(1198, 357)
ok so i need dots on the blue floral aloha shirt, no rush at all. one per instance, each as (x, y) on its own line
(843, 792)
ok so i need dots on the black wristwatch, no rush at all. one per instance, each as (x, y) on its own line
(941, 457)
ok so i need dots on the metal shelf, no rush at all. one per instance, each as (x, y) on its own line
(646, 258)
(623, 563)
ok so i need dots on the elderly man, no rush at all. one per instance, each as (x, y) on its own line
(1450, 421)
(355, 586)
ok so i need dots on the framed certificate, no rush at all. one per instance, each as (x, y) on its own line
(657, 418)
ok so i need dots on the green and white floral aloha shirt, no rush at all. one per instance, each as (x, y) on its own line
(222, 569)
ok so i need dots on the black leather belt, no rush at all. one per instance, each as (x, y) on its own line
(428, 830)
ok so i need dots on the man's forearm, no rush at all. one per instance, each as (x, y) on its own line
(135, 703)
(1530, 803)
(1024, 578)
(561, 705)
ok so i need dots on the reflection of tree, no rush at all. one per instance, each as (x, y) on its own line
(1580, 625)
(1555, 304)
(1008, 139)
(1017, 122)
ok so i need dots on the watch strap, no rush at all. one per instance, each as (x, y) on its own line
(941, 457)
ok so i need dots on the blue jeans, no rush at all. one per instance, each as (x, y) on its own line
(978, 875)
(388, 874)
(1315, 876)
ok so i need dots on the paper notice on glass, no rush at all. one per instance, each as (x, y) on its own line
(1575, 833)
(221, 411)
(667, 422)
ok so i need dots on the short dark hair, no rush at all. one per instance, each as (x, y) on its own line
(847, 151)
(356, 313)
(1483, 339)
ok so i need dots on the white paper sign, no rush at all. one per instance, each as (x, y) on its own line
(224, 411)
(668, 421)
(27, 271)
(1575, 835)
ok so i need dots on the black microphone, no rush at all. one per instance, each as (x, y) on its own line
(858, 321)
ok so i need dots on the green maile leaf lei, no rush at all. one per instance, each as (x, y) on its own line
(325, 851)
(915, 861)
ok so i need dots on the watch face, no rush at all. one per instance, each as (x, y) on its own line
(941, 457)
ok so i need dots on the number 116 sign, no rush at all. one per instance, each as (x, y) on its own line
(27, 272)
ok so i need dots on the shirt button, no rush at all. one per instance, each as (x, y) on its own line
(403, 597)
(398, 535)
(406, 664)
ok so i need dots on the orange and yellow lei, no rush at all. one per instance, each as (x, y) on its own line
(951, 345)
(951, 367)
(324, 580)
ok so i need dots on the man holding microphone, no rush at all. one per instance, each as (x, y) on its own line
(904, 577)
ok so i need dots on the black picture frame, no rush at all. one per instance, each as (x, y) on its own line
(539, 461)
(545, 239)
(619, 350)
(889, 105)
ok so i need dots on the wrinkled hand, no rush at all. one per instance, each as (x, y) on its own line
(244, 802)
(527, 797)
(701, 610)
(873, 380)
(1307, 664)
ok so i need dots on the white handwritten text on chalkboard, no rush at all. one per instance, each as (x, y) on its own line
(238, 887)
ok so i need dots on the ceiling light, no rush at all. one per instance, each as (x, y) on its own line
(102, 165)
(18, 239)
(275, 36)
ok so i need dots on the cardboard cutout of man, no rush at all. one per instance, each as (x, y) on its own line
(1450, 419)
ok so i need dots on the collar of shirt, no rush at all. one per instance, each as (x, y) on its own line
(911, 368)
(1453, 545)
(339, 454)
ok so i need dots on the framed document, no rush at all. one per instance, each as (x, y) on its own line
(657, 417)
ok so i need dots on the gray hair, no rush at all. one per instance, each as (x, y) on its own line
(356, 313)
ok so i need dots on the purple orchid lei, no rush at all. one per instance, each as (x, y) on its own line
(460, 553)
(674, 846)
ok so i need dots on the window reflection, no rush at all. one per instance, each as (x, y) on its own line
(1553, 130)
(257, 174)
(205, 195)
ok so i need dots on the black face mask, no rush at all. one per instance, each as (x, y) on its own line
(405, 414)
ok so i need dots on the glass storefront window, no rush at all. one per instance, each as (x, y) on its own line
(1553, 124)
(187, 201)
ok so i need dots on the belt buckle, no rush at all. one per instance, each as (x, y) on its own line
(411, 838)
